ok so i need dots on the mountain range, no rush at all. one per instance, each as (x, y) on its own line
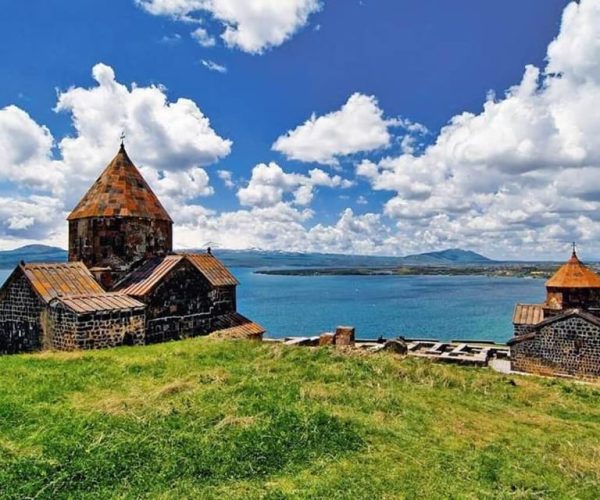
(273, 259)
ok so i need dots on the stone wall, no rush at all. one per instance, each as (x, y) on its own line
(572, 298)
(118, 242)
(523, 329)
(185, 304)
(570, 346)
(20, 322)
(68, 331)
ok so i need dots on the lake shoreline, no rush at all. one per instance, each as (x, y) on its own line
(511, 271)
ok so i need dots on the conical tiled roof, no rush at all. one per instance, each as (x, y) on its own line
(574, 274)
(120, 191)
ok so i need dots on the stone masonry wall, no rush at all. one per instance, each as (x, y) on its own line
(185, 305)
(118, 242)
(20, 324)
(69, 331)
(571, 346)
(523, 329)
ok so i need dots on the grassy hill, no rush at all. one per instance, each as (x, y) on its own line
(210, 419)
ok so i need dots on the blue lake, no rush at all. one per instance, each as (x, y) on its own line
(444, 307)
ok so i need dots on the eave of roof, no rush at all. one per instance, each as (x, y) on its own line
(54, 280)
(215, 271)
(570, 313)
(142, 281)
(235, 325)
(102, 302)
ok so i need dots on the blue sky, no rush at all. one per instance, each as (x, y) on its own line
(411, 65)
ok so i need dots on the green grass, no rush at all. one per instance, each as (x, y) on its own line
(209, 419)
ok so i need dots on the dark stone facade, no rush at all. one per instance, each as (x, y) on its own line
(184, 304)
(523, 329)
(20, 317)
(69, 331)
(569, 346)
(573, 298)
(118, 242)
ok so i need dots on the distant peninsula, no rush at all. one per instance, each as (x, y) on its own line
(451, 262)
(539, 271)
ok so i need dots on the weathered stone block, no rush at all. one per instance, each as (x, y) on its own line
(344, 336)
(326, 339)
(396, 346)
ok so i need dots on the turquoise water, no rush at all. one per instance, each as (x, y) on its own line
(444, 307)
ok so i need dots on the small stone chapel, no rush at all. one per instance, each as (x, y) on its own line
(123, 283)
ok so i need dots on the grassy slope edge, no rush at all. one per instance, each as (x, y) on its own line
(203, 418)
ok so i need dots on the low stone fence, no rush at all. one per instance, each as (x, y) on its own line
(480, 353)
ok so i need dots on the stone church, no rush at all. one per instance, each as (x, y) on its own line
(123, 283)
(562, 335)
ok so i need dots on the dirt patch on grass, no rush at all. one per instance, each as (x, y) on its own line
(133, 399)
(59, 355)
(176, 387)
(234, 421)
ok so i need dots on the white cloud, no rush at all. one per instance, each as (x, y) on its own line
(25, 150)
(160, 134)
(520, 177)
(203, 38)
(359, 126)
(31, 218)
(282, 226)
(517, 180)
(575, 51)
(170, 141)
(213, 66)
(179, 186)
(269, 184)
(251, 26)
(227, 177)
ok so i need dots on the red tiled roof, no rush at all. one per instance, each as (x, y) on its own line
(61, 280)
(528, 314)
(234, 325)
(215, 271)
(100, 302)
(120, 191)
(141, 281)
(147, 276)
(574, 274)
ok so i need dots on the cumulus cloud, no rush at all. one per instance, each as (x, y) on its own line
(251, 26)
(227, 177)
(269, 184)
(359, 126)
(29, 219)
(164, 135)
(203, 38)
(171, 141)
(283, 226)
(25, 150)
(519, 179)
(519, 176)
